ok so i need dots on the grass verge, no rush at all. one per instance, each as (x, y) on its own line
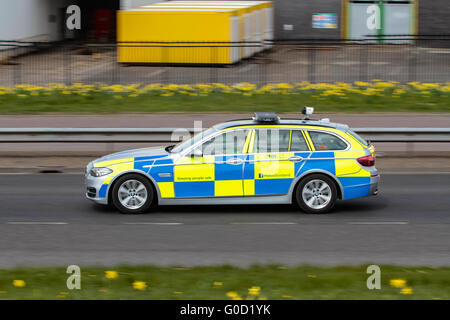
(226, 282)
(340, 97)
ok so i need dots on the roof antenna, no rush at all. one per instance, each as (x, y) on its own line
(307, 111)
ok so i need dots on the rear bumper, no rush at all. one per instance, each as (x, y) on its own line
(374, 180)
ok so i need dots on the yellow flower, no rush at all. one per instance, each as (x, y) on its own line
(398, 91)
(232, 294)
(406, 291)
(397, 283)
(19, 283)
(139, 285)
(312, 276)
(217, 284)
(178, 292)
(254, 291)
(111, 274)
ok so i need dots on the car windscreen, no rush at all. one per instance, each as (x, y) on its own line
(196, 138)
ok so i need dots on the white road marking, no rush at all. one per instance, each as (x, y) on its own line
(263, 223)
(155, 73)
(35, 222)
(95, 67)
(154, 223)
(379, 222)
(246, 68)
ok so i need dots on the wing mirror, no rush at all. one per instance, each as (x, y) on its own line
(196, 153)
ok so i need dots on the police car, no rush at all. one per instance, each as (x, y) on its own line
(263, 160)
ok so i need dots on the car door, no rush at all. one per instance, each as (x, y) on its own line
(214, 168)
(276, 155)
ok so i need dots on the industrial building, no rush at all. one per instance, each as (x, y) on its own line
(44, 20)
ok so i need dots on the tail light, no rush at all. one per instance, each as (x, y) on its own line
(367, 161)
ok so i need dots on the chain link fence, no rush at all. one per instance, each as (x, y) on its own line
(424, 59)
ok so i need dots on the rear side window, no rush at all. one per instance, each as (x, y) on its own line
(358, 137)
(326, 141)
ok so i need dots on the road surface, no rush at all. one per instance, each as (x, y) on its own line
(45, 220)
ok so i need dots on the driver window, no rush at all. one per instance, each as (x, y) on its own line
(229, 142)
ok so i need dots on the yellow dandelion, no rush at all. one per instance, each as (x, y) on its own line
(254, 291)
(406, 291)
(312, 276)
(397, 283)
(178, 292)
(19, 283)
(232, 294)
(111, 274)
(217, 284)
(139, 285)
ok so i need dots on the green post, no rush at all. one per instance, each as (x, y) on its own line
(380, 31)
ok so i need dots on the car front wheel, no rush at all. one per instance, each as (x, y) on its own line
(316, 193)
(132, 193)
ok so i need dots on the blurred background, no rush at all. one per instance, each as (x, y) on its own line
(107, 76)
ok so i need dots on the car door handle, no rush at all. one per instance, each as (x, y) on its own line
(234, 161)
(295, 158)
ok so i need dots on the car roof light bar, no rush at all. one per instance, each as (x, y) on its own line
(266, 117)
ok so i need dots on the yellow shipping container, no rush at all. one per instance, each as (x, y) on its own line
(258, 18)
(243, 14)
(138, 27)
(263, 10)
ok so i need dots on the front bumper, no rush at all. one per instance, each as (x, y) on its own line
(92, 188)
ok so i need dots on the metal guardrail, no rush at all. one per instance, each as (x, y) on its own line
(166, 135)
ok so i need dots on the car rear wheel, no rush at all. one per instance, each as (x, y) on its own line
(316, 193)
(132, 193)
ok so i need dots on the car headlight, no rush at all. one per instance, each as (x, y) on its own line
(101, 171)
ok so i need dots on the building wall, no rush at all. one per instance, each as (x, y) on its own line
(434, 17)
(129, 4)
(32, 20)
(298, 13)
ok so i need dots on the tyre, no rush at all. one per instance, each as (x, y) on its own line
(132, 193)
(316, 193)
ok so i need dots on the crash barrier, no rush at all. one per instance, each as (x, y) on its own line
(168, 135)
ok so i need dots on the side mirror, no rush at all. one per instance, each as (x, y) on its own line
(196, 153)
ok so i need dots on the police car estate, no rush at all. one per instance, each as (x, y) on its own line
(264, 160)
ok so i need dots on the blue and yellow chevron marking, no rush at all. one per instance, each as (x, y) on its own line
(259, 174)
